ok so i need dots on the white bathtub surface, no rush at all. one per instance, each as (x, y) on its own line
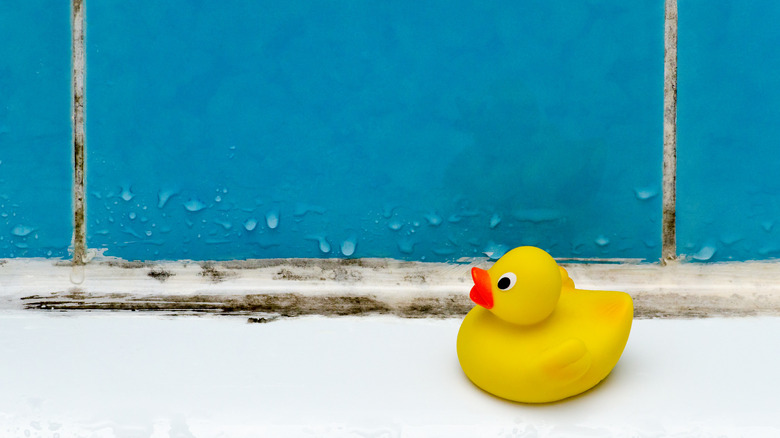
(142, 375)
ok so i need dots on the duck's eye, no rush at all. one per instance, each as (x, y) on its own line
(507, 281)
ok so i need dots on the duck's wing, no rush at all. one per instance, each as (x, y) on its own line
(566, 281)
(566, 362)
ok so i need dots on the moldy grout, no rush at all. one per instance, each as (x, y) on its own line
(668, 228)
(79, 132)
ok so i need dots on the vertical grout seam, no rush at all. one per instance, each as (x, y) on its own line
(78, 73)
(668, 228)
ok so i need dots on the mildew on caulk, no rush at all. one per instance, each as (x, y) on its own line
(646, 305)
(214, 274)
(78, 62)
(297, 287)
(684, 306)
(324, 264)
(128, 264)
(160, 274)
(669, 178)
(261, 320)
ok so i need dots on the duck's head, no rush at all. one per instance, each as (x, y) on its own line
(522, 287)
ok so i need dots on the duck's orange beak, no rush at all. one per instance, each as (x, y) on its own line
(481, 293)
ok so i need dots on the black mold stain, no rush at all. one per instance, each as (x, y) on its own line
(286, 305)
(286, 274)
(75, 294)
(324, 264)
(647, 306)
(261, 320)
(211, 272)
(337, 273)
(128, 264)
(450, 306)
(342, 274)
(683, 306)
(160, 274)
(415, 278)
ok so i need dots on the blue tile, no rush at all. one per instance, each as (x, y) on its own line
(374, 129)
(728, 154)
(35, 131)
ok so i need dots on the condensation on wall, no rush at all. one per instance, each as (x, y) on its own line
(729, 101)
(356, 129)
(35, 132)
(371, 129)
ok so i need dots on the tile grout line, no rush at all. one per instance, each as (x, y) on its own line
(668, 228)
(78, 73)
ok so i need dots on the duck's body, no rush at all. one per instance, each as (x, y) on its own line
(569, 350)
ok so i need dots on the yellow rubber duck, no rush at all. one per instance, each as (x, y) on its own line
(533, 337)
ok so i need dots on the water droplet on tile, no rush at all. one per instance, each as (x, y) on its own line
(645, 193)
(495, 220)
(406, 246)
(163, 196)
(132, 215)
(218, 198)
(767, 225)
(348, 246)
(126, 193)
(194, 205)
(537, 215)
(148, 232)
(444, 251)
(324, 245)
(225, 224)
(454, 218)
(77, 274)
(302, 209)
(272, 219)
(250, 224)
(433, 219)
(495, 251)
(602, 241)
(395, 224)
(730, 239)
(769, 250)
(705, 253)
(388, 210)
(22, 230)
